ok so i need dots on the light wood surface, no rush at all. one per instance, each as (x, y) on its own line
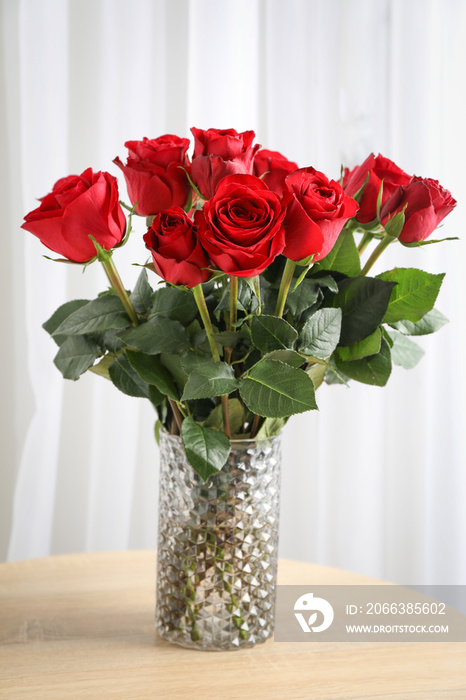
(82, 626)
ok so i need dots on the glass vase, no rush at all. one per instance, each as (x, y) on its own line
(217, 546)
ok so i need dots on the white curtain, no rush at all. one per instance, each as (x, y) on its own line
(375, 481)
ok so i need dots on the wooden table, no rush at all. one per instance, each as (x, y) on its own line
(82, 626)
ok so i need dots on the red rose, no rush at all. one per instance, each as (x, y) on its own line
(378, 168)
(427, 204)
(317, 210)
(154, 173)
(220, 152)
(177, 254)
(243, 229)
(79, 206)
(276, 167)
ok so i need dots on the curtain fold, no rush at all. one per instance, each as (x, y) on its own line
(375, 480)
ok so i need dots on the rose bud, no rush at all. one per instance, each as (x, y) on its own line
(427, 203)
(154, 173)
(275, 166)
(79, 206)
(243, 228)
(317, 210)
(218, 153)
(177, 254)
(378, 169)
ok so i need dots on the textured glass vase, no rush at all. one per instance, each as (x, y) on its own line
(217, 546)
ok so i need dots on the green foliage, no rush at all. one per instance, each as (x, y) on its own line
(174, 303)
(289, 357)
(76, 355)
(364, 302)
(432, 321)
(209, 378)
(413, 295)
(270, 427)
(236, 413)
(59, 317)
(206, 448)
(404, 352)
(126, 379)
(276, 390)
(321, 333)
(102, 314)
(367, 346)
(343, 257)
(374, 369)
(158, 334)
(185, 352)
(142, 295)
(305, 296)
(151, 370)
(271, 333)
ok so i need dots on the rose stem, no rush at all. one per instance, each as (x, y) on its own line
(204, 311)
(255, 425)
(284, 286)
(176, 413)
(117, 284)
(257, 290)
(233, 300)
(364, 242)
(233, 314)
(376, 253)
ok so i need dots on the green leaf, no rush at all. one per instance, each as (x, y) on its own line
(157, 428)
(246, 301)
(363, 301)
(191, 361)
(289, 357)
(374, 369)
(327, 281)
(417, 244)
(173, 364)
(321, 333)
(333, 375)
(206, 449)
(158, 334)
(272, 333)
(303, 273)
(62, 313)
(155, 396)
(101, 368)
(343, 257)
(142, 295)
(109, 340)
(317, 373)
(413, 296)
(366, 347)
(271, 426)
(276, 390)
(432, 321)
(126, 379)
(230, 339)
(177, 304)
(236, 411)
(404, 351)
(76, 355)
(303, 297)
(101, 314)
(209, 379)
(151, 371)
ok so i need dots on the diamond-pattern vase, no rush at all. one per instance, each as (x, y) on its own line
(217, 546)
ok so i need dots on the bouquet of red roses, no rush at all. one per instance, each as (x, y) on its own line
(264, 295)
